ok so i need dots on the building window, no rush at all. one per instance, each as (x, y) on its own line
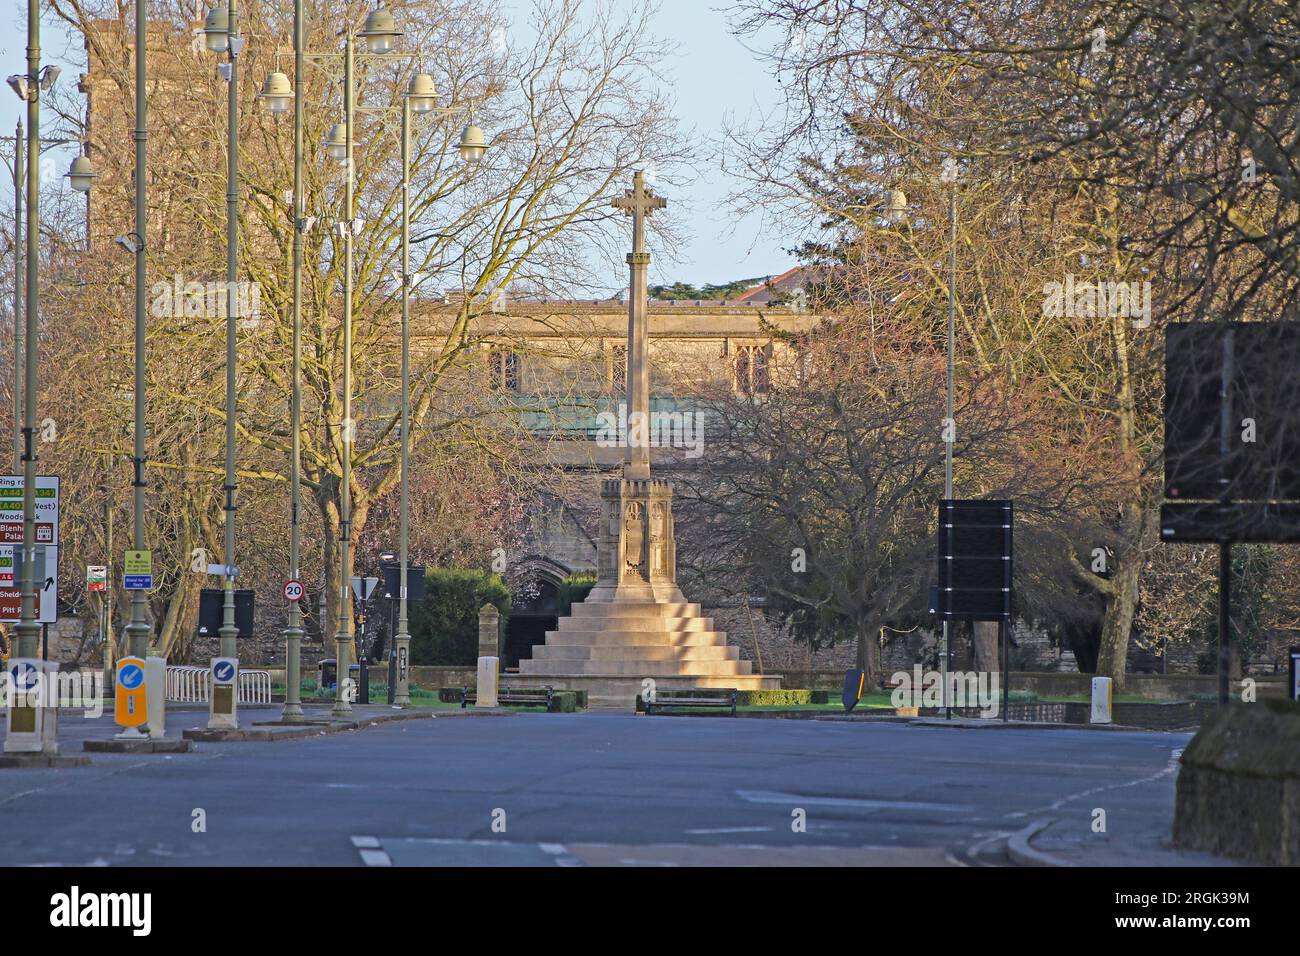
(503, 369)
(753, 375)
(617, 368)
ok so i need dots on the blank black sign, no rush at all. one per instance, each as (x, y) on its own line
(974, 573)
(212, 609)
(1232, 411)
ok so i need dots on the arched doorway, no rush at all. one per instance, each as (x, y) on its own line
(531, 616)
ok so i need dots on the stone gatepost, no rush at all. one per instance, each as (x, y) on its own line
(489, 631)
(489, 658)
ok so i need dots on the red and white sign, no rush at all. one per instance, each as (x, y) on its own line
(293, 590)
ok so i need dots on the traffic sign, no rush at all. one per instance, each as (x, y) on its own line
(364, 587)
(223, 671)
(130, 708)
(96, 577)
(46, 530)
(137, 571)
(293, 590)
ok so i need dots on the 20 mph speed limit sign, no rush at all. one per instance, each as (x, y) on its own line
(293, 590)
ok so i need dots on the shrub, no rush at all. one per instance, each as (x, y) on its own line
(444, 627)
(574, 590)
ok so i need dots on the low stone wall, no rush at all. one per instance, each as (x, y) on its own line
(422, 675)
(1155, 715)
(1239, 785)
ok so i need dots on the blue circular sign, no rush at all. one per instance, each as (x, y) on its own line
(25, 676)
(223, 671)
(131, 676)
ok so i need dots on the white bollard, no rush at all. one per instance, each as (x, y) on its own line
(1101, 700)
(155, 678)
(487, 682)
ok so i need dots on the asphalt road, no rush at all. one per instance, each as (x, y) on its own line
(604, 788)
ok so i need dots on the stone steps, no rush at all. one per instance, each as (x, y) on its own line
(635, 652)
(655, 638)
(586, 610)
(634, 623)
(635, 668)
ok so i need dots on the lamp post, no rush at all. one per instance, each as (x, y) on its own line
(221, 29)
(18, 296)
(29, 87)
(275, 96)
(19, 177)
(379, 35)
(138, 630)
(951, 425)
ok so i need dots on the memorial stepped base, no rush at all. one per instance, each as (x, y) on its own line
(608, 649)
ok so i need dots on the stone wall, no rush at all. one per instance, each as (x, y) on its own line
(1239, 785)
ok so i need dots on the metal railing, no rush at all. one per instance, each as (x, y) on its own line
(193, 685)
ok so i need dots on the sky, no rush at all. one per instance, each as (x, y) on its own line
(714, 80)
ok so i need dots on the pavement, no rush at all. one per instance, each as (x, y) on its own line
(530, 789)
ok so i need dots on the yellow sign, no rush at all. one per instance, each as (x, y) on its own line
(138, 562)
(130, 705)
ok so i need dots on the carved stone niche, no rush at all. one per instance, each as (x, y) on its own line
(636, 547)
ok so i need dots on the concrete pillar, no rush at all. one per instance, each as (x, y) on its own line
(1101, 701)
(487, 682)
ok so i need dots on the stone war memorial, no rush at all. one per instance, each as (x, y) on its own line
(636, 626)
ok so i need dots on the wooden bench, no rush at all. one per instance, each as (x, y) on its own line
(694, 698)
(519, 697)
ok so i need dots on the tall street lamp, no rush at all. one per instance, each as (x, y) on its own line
(18, 83)
(221, 29)
(379, 35)
(138, 630)
(29, 88)
(420, 98)
(18, 296)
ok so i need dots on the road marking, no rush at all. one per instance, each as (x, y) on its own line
(371, 852)
(800, 800)
(729, 830)
(1170, 768)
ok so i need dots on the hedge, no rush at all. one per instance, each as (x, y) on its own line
(444, 627)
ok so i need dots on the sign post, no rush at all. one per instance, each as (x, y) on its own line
(131, 701)
(363, 588)
(974, 573)
(137, 571)
(223, 699)
(33, 713)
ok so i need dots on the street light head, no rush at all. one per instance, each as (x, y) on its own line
(380, 32)
(18, 83)
(277, 93)
(472, 144)
(336, 141)
(49, 76)
(216, 29)
(422, 92)
(81, 173)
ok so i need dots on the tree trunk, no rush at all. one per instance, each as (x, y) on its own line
(1112, 657)
(984, 640)
(1121, 604)
(869, 655)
